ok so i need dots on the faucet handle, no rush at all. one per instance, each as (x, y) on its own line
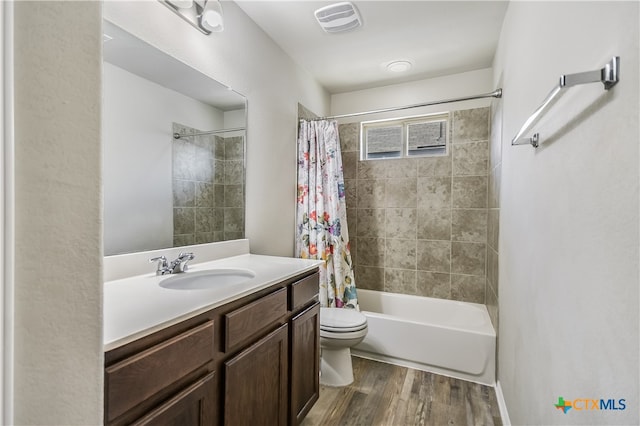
(162, 260)
(180, 264)
(163, 265)
(186, 256)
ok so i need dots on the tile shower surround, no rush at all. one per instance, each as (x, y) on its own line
(208, 188)
(493, 217)
(419, 225)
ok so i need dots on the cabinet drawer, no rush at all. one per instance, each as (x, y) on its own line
(138, 377)
(303, 291)
(188, 407)
(244, 322)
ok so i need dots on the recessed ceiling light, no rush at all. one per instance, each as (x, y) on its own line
(399, 66)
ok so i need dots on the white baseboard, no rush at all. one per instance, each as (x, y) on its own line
(502, 405)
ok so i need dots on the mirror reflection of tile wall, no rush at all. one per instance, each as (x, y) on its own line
(419, 225)
(208, 188)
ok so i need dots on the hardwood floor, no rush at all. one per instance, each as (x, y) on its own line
(386, 395)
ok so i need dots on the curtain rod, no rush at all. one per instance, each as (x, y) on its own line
(211, 132)
(495, 94)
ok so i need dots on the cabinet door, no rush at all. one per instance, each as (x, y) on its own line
(256, 383)
(193, 406)
(305, 362)
(150, 376)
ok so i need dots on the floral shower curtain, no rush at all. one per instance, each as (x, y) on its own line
(321, 212)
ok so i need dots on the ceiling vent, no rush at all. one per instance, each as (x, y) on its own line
(339, 17)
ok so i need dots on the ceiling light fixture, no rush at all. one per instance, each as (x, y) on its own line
(339, 17)
(211, 17)
(399, 66)
(204, 15)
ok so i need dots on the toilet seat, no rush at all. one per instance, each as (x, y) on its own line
(342, 329)
(359, 334)
(342, 319)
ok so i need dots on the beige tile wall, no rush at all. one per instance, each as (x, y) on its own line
(419, 225)
(208, 188)
(493, 216)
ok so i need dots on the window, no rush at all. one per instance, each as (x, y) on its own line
(404, 137)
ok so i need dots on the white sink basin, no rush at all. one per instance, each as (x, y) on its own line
(208, 280)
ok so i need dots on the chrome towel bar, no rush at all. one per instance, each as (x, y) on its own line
(608, 76)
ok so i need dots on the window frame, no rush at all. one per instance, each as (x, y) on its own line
(403, 123)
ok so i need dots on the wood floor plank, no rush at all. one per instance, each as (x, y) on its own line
(325, 403)
(421, 398)
(389, 400)
(413, 401)
(482, 407)
(343, 403)
(329, 411)
(388, 395)
(369, 373)
(457, 391)
(442, 390)
(372, 381)
(445, 414)
(353, 412)
(398, 412)
(392, 397)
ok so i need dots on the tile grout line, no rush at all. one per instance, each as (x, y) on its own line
(451, 208)
(488, 172)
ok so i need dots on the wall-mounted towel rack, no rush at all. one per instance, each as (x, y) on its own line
(608, 76)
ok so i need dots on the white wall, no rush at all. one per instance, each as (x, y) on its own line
(245, 58)
(137, 141)
(433, 89)
(58, 330)
(569, 215)
(58, 266)
(235, 118)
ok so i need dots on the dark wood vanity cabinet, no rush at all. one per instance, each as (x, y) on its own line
(304, 362)
(195, 405)
(252, 361)
(169, 375)
(304, 345)
(256, 388)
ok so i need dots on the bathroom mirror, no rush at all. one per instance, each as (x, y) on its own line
(173, 150)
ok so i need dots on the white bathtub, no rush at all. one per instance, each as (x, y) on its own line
(446, 337)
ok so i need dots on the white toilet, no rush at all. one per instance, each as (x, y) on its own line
(340, 329)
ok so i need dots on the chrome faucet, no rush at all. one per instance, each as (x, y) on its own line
(163, 266)
(180, 264)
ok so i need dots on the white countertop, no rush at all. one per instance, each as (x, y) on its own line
(138, 306)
